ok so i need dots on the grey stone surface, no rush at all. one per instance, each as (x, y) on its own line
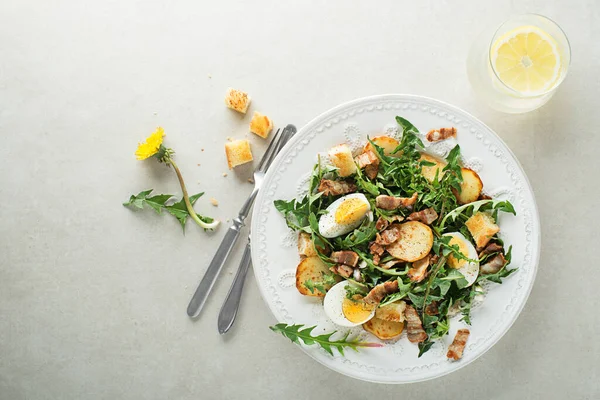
(93, 295)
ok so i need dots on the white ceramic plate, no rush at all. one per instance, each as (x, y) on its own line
(275, 256)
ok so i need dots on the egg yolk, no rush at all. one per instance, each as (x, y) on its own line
(351, 211)
(356, 310)
(454, 262)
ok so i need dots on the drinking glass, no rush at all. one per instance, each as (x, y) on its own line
(518, 66)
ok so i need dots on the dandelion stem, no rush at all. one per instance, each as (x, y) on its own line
(186, 199)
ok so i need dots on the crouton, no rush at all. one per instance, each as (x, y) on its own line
(306, 247)
(237, 100)
(482, 227)
(261, 125)
(238, 152)
(341, 157)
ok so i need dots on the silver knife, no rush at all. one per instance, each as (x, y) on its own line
(218, 261)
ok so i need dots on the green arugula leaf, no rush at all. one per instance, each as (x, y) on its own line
(424, 347)
(328, 279)
(403, 291)
(297, 333)
(361, 235)
(406, 125)
(471, 208)
(456, 276)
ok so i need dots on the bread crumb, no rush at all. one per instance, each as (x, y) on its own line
(224, 174)
(198, 164)
(229, 138)
(250, 180)
(201, 149)
(227, 220)
(214, 201)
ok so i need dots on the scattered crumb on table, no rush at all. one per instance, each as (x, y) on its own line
(214, 201)
(250, 180)
(224, 173)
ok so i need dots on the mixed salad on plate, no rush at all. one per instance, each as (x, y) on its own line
(394, 238)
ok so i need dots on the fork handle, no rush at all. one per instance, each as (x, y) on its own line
(232, 302)
(214, 269)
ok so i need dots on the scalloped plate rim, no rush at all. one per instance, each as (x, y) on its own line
(400, 98)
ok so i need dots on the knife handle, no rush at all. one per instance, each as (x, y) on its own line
(232, 302)
(214, 269)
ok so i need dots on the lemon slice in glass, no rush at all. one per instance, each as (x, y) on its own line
(526, 60)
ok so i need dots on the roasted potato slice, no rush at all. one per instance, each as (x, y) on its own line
(482, 227)
(416, 240)
(383, 329)
(306, 247)
(341, 157)
(387, 143)
(311, 268)
(429, 171)
(470, 188)
(391, 312)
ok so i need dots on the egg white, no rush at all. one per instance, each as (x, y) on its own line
(471, 269)
(333, 306)
(329, 228)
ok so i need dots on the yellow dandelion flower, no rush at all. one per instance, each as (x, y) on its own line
(151, 146)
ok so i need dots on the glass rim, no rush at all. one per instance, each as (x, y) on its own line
(567, 65)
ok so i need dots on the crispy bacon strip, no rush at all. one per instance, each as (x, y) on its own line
(491, 248)
(426, 216)
(372, 170)
(455, 350)
(383, 223)
(376, 249)
(342, 270)
(389, 236)
(380, 291)
(414, 327)
(345, 257)
(494, 265)
(432, 308)
(335, 188)
(370, 162)
(436, 135)
(391, 203)
(419, 269)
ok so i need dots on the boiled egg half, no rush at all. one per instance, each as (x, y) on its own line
(344, 311)
(344, 215)
(469, 269)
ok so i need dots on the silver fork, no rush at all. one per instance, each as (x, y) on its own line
(232, 301)
(232, 235)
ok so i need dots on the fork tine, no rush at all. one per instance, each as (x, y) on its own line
(285, 136)
(270, 150)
